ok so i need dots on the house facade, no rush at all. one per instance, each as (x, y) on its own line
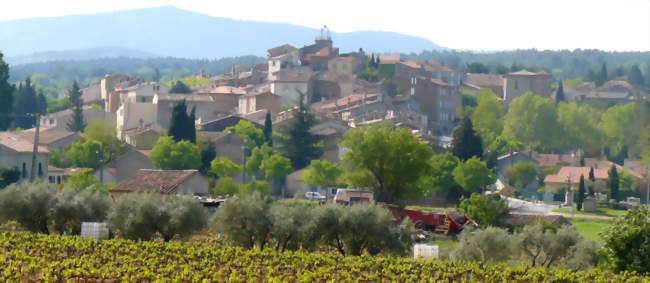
(515, 84)
(16, 152)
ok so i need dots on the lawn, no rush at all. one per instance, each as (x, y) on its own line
(446, 244)
(590, 228)
(601, 211)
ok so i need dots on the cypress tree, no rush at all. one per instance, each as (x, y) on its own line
(592, 180)
(559, 94)
(76, 123)
(180, 87)
(466, 143)
(614, 183)
(601, 78)
(190, 127)
(300, 145)
(268, 129)
(179, 122)
(581, 193)
(6, 96)
(26, 105)
(635, 76)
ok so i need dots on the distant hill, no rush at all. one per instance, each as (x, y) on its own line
(81, 54)
(169, 31)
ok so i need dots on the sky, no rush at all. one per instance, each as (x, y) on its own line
(621, 25)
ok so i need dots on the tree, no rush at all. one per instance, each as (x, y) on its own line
(268, 129)
(477, 68)
(322, 173)
(26, 105)
(257, 156)
(244, 221)
(440, 179)
(559, 93)
(634, 76)
(290, 223)
(208, 153)
(388, 160)
(618, 126)
(9, 176)
(484, 209)
(84, 154)
(276, 167)
(41, 102)
(473, 175)
(226, 186)
(6, 96)
(466, 143)
(300, 145)
(180, 87)
(523, 173)
(142, 216)
(486, 245)
(371, 228)
(252, 135)
(224, 167)
(168, 155)
(181, 126)
(544, 246)
(27, 203)
(487, 116)
(592, 181)
(614, 184)
(84, 179)
(581, 193)
(76, 123)
(601, 77)
(532, 120)
(626, 239)
(72, 207)
(105, 134)
(580, 124)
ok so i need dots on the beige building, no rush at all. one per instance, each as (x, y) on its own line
(517, 83)
(282, 57)
(16, 152)
(58, 121)
(253, 102)
(437, 100)
(289, 84)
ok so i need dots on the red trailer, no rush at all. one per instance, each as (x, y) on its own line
(440, 222)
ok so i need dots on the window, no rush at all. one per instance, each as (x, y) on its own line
(58, 179)
(344, 66)
(40, 169)
(516, 85)
(50, 179)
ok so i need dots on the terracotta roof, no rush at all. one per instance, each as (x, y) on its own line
(280, 50)
(158, 181)
(439, 82)
(528, 73)
(484, 80)
(46, 136)
(433, 66)
(573, 174)
(52, 169)
(18, 144)
(411, 64)
(544, 159)
(346, 101)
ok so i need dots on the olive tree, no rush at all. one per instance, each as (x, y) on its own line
(27, 203)
(244, 221)
(290, 224)
(488, 245)
(371, 228)
(544, 246)
(72, 206)
(141, 216)
(627, 242)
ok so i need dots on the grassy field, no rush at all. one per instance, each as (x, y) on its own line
(446, 244)
(590, 228)
(601, 211)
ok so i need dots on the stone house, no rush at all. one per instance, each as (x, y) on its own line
(16, 152)
(282, 57)
(517, 83)
(437, 100)
(569, 177)
(476, 82)
(58, 121)
(289, 84)
(128, 164)
(169, 182)
(253, 102)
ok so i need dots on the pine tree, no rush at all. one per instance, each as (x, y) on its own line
(42, 102)
(180, 87)
(179, 123)
(156, 75)
(372, 61)
(300, 145)
(26, 105)
(601, 78)
(559, 94)
(466, 143)
(614, 183)
(76, 123)
(581, 193)
(268, 129)
(592, 181)
(6, 96)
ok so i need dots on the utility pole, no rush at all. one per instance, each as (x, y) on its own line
(32, 176)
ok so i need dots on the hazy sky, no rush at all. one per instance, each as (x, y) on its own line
(463, 24)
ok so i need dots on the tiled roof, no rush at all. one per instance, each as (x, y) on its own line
(439, 82)
(228, 90)
(484, 80)
(46, 136)
(544, 159)
(528, 73)
(573, 174)
(154, 181)
(18, 144)
(411, 64)
(280, 50)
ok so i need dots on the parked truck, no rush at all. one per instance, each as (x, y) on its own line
(444, 222)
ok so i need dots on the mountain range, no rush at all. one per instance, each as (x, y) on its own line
(169, 31)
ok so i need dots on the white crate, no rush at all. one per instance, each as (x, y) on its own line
(425, 251)
(96, 230)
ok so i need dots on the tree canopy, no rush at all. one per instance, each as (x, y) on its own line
(179, 87)
(473, 175)
(76, 122)
(182, 125)
(532, 120)
(299, 144)
(6, 96)
(182, 155)
(466, 143)
(487, 116)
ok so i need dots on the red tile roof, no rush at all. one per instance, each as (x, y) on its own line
(484, 80)
(544, 159)
(573, 174)
(158, 181)
(19, 144)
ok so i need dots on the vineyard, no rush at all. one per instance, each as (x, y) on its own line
(35, 257)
